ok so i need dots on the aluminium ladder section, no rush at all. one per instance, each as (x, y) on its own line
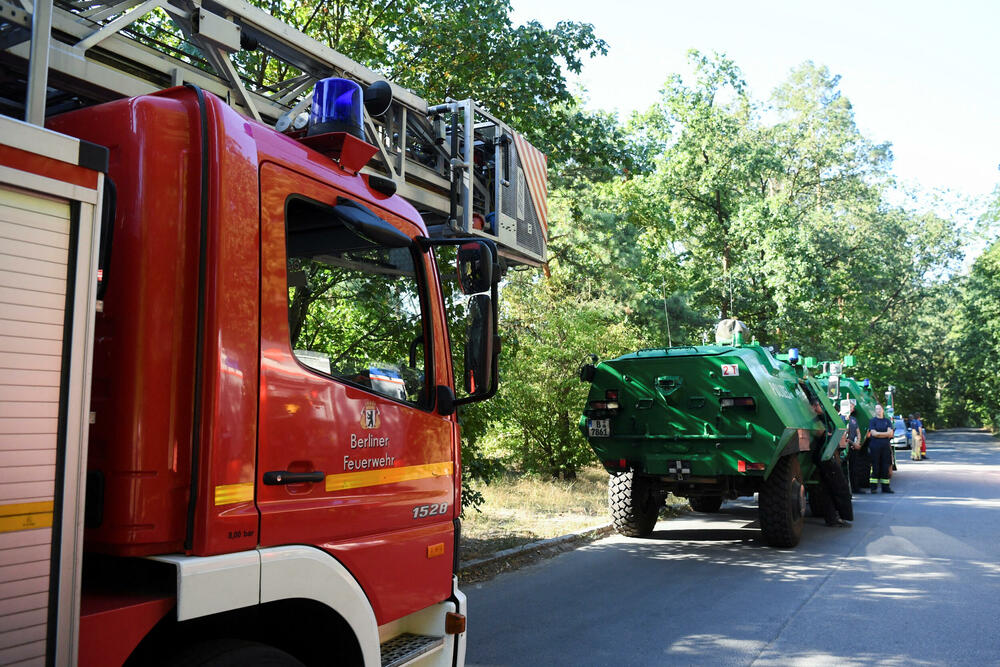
(97, 52)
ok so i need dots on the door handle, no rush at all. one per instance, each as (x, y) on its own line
(275, 477)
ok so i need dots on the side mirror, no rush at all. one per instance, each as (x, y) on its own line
(479, 352)
(587, 372)
(476, 377)
(475, 267)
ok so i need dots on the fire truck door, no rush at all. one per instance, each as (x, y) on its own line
(350, 456)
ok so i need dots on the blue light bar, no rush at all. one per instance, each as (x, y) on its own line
(336, 107)
(793, 355)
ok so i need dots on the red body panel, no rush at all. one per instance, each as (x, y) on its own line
(46, 166)
(145, 364)
(144, 348)
(111, 626)
(228, 522)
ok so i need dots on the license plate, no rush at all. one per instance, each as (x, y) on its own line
(599, 428)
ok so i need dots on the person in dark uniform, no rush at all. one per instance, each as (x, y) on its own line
(880, 431)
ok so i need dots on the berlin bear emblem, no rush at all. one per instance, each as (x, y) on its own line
(371, 416)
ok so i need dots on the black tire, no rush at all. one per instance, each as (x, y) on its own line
(817, 499)
(706, 504)
(232, 653)
(862, 469)
(633, 503)
(840, 489)
(781, 503)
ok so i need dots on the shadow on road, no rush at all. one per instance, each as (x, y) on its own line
(745, 535)
(735, 522)
(704, 589)
(939, 521)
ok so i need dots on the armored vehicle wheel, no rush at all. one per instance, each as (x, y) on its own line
(782, 503)
(839, 488)
(707, 504)
(817, 498)
(862, 470)
(634, 505)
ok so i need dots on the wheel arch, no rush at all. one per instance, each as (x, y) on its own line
(258, 588)
(308, 630)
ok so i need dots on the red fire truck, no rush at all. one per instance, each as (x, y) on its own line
(228, 387)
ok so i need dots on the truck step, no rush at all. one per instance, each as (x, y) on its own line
(405, 647)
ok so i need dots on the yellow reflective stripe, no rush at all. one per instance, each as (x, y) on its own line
(227, 494)
(26, 516)
(355, 480)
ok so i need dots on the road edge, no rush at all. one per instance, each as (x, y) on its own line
(487, 566)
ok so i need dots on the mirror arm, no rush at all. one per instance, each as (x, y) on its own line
(446, 401)
(423, 243)
(414, 344)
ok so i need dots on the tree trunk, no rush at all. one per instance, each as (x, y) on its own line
(567, 468)
(720, 216)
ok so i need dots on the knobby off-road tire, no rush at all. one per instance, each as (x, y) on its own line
(840, 489)
(634, 506)
(817, 499)
(782, 504)
(706, 504)
(862, 470)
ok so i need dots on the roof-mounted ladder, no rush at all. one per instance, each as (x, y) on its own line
(467, 172)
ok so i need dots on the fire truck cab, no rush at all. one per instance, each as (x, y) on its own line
(274, 463)
(237, 315)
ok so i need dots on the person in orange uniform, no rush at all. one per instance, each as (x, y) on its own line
(923, 436)
(915, 441)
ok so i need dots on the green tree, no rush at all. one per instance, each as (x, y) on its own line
(975, 341)
(550, 328)
(776, 214)
(713, 157)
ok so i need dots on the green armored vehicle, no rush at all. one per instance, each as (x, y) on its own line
(710, 423)
(840, 387)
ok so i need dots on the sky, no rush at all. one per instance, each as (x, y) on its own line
(924, 76)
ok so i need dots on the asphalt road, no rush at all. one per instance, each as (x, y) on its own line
(915, 581)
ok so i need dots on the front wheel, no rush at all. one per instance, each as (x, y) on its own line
(231, 653)
(633, 503)
(782, 504)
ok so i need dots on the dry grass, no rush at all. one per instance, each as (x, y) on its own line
(523, 509)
